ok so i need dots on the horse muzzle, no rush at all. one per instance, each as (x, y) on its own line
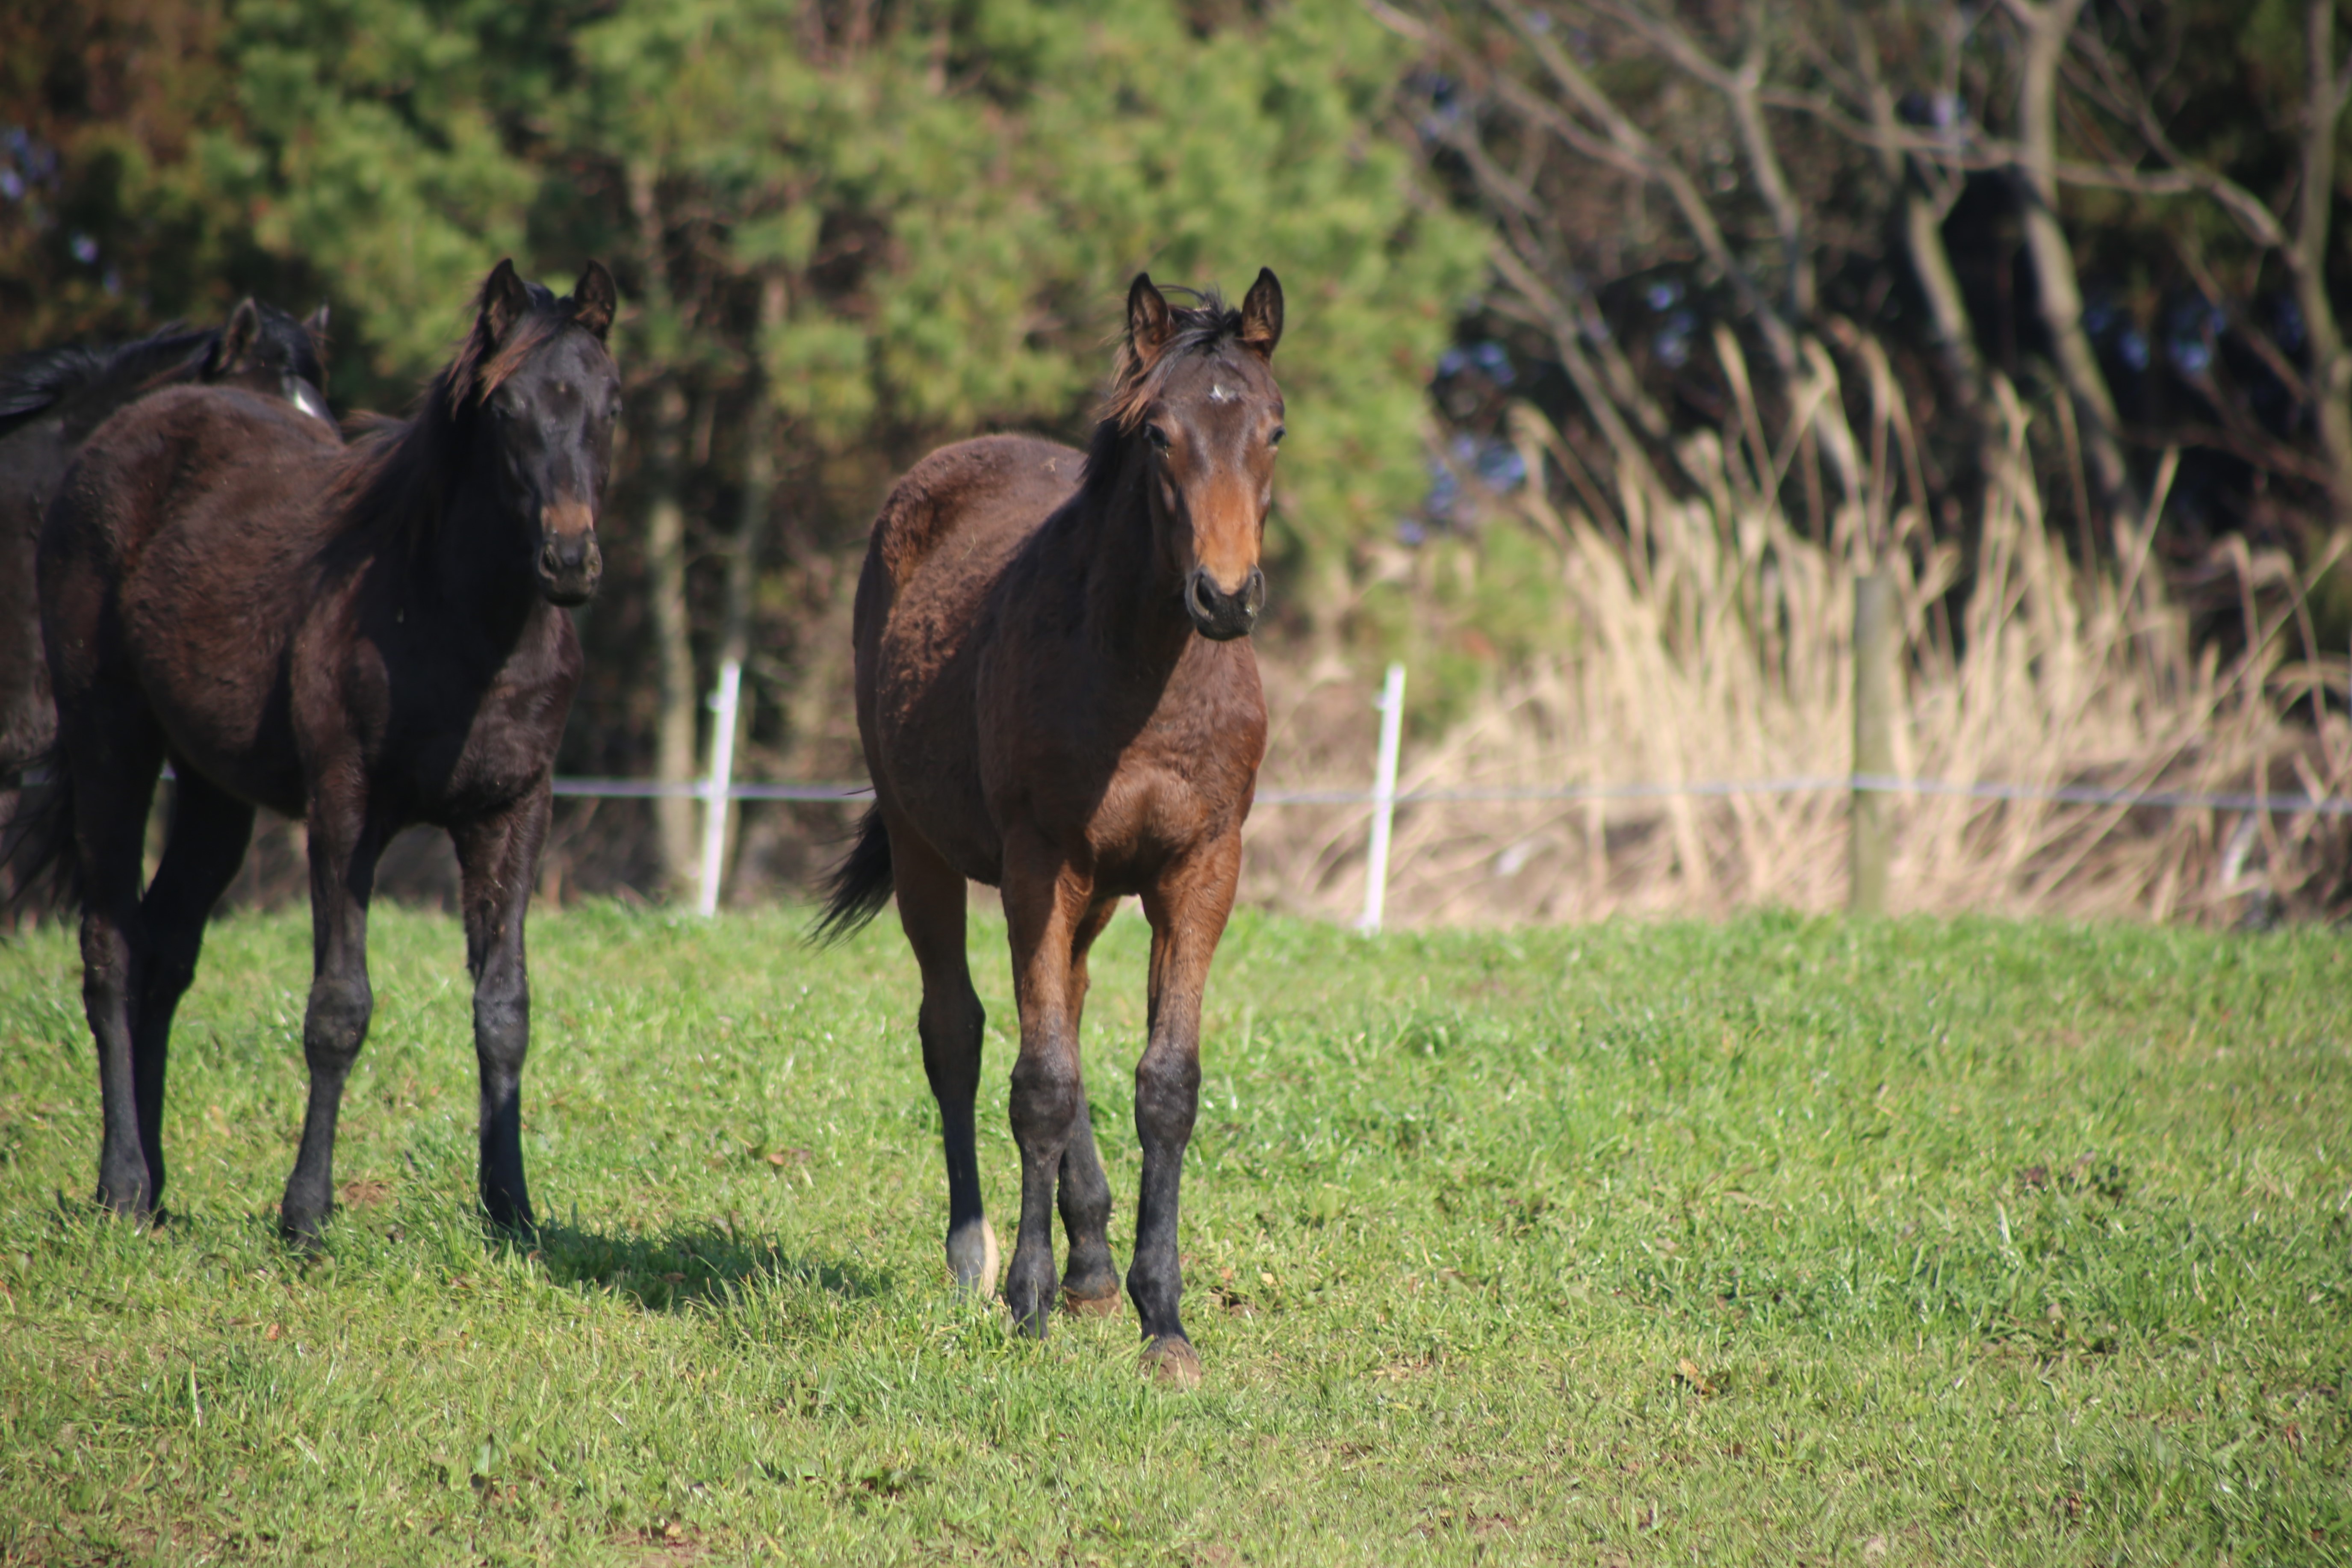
(570, 566)
(1219, 616)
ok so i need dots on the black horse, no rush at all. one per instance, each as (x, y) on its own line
(50, 402)
(368, 637)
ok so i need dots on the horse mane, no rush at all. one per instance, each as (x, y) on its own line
(1204, 326)
(44, 378)
(395, 476)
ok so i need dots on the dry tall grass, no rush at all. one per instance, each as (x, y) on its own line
(1708, 639)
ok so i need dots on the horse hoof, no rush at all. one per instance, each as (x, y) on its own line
(1104, 1305)
(1170, 1359)
(972, 1257)
(300, 1234)
(126, 1200)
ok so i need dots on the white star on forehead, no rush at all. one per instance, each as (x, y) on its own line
(1218, 392)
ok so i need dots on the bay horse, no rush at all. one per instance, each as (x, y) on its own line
(1056, 695)
(50, 402)
(368, 637)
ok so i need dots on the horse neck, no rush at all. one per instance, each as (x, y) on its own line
(472, 565)
(1132, 602)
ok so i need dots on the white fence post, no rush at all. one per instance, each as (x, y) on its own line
(715, 789)
(1376, 861)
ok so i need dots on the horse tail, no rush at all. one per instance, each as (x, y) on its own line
(39, 872)
(859, 886)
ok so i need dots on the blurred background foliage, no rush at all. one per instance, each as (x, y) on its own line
(1533, 253)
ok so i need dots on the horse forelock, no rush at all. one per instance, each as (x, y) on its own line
(395, 473)
(1198, 329)
(526, 338)
(1208, 327)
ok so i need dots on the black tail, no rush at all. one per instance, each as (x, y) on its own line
(859, 886)
(39, 872)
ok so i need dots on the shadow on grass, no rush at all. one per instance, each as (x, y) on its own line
(673, 1269)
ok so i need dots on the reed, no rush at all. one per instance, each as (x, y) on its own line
(1704, 637)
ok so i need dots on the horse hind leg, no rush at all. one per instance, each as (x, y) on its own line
(210, 829)
(1089, 1281)
(113, 753)
(930, 895)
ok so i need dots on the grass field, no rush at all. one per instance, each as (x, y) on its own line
(1762, 1243)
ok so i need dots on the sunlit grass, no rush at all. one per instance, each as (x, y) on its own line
(1920, 1243)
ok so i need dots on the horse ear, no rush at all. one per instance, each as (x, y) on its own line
(236, 341)
(506, 300)
(1148, 321)
(1262, 314)
(315, 323)
(593, 299)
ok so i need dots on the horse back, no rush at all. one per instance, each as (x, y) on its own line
(940, 545)
(178, 555)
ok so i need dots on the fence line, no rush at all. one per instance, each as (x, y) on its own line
(2295, 804)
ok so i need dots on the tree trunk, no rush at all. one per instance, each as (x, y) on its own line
(674, 814)
(752, 514)
(2047, 28)
(674, 757)
(2331, 368)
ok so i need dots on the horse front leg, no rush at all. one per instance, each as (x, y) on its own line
(1044, 900)
(345, 844)
(1090, 1279)
(1188, 910)
(497, 862)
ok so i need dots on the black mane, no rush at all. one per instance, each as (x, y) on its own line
(33, 382)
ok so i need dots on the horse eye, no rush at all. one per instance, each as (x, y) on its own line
(1279, 432)
(1156, 436)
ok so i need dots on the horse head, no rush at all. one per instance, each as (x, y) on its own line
(1206, 403)
(264, 350)
(552, 396)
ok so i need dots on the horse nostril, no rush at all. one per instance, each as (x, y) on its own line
(1254, 593)
(1203, 606)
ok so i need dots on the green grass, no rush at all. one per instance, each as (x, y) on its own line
(1925, 1243)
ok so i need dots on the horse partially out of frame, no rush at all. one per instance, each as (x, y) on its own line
(50, 402)
(1057, 696)
(367, 637)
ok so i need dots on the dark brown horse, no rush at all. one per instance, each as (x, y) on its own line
(368, 637)
(1057, 695)
(49, 404)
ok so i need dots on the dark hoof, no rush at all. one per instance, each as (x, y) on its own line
(126, 1200)
(972, 1257)
(509, 1216)
(302, 1232)
(1170, 1359)
(1089, 1301)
